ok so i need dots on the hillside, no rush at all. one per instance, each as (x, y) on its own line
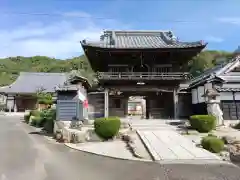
(10, 67)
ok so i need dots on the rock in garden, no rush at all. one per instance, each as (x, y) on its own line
(225, 155)
(126, 138)
(234, 151)
(228, 139)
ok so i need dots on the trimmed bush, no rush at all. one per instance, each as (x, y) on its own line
(212, 144)
(35, 113)
(35, 121)
(202, 123)
(237, 126)
(107, 128)
(49, 117)
(27, 117)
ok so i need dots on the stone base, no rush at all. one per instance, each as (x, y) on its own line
(234, 151)
(85, 133)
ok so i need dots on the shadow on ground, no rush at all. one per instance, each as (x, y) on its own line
(41, 132)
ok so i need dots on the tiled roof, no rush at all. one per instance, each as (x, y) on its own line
(30, 82)
(231, 77)
(141, 39)
(221, 71)
(69, 87)
(227, 89)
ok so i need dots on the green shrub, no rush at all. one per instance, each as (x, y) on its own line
(27, 117)
(35, 113)
(212, 144)
(237, 126)
(49, 116)
(203, 123)
(35, 121)
(107, 128)
(43, 118)
(44, 98)
(45, 101)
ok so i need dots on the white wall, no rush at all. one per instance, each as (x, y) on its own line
(201, 92)
(226, 96)
(237, 95)
(194, 96)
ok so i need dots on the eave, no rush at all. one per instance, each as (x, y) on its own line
(164, 49)
(208, 79)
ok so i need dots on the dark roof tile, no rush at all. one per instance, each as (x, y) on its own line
(30, 82)
(141, 39)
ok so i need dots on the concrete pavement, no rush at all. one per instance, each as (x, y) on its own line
(27, 156)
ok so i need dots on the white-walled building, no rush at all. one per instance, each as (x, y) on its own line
(225, 78)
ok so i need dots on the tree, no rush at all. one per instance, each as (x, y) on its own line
(206, 60)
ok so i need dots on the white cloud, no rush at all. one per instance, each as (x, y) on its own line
(230, 20)
(59, 39)
(214, 39)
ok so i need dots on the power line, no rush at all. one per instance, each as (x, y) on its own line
(82, 16)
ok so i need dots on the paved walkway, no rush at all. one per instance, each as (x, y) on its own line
(169, 145)
(165, 144)
(150, 124)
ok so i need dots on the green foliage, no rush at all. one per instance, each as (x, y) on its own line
(206, 60)
(35, 121)
(35, 112)
(12, 66)
(44, 119)
(49, 117)
(107, 128)
(27, 117)
(212, 144)
(44, 98)
(203, 123)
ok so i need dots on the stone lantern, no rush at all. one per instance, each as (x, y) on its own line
(213, 105)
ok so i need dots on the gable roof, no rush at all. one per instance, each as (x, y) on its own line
(140, 39)
(220, 72)
(30, 82)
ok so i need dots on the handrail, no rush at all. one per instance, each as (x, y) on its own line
(143, 75)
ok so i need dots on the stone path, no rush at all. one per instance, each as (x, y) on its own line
(169, 145)
(151, 124)
(165, 144)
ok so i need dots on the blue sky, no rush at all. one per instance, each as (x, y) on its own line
(55, 27)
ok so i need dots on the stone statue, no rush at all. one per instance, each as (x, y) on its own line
(213, 105)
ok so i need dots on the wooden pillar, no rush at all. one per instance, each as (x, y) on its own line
(126, 106)
(15, 105)
(175, 103)
(147, 108)
(106, 103)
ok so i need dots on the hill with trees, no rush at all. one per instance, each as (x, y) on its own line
(12, 66)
